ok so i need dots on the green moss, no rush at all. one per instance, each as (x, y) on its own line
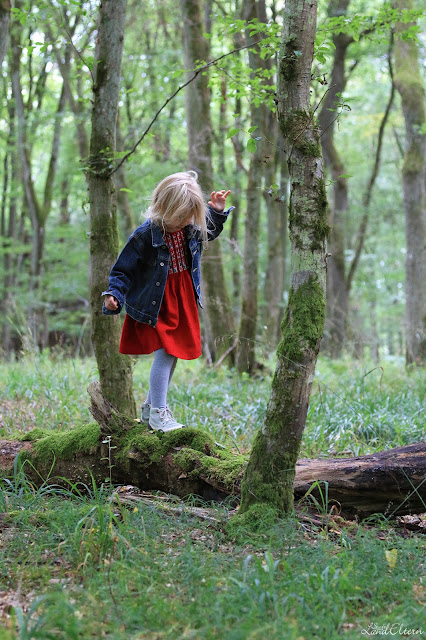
(33, 435)
(193, 438)
(312, 149)
(303, 323)
(226, 471)
(153, 446)
(148, 445)
(297, 122)
(259, 517)
(269, 475)
(289, 58)
(67, 444)
(320, 227)
(413, 161)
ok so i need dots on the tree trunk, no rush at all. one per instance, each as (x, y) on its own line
(5, 6)
(8, 229)
(409, 83)
(127, 219)
(115, 370)
(337, 295)
(247, 333)
(270, 472)
(276, 210)
(188, 461)
(197, 105)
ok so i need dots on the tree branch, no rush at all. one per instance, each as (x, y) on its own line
(374, 172)
(174, 94)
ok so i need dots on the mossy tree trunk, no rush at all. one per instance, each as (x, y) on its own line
(188, 461)
(270, 472)
(115, 370)
(409, 83)
(220, 319)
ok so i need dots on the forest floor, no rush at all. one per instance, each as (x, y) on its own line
(102, 562)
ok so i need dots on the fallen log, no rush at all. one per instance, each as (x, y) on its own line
(188, 461)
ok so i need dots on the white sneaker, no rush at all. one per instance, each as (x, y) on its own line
(146, 407)
(162, 419)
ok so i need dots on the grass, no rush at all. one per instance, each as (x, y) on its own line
(356, 408)
(85, 567)
(80, 565)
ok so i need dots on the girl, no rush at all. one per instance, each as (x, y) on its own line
(157, 277)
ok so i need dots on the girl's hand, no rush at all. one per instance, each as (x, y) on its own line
(218, 199)
(111, 303)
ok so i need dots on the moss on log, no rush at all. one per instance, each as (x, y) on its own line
(188, 461)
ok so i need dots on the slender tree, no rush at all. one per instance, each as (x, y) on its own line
(221, 328)
(337, 295)
(5, 6)
(39, 209)
(115, 370)
(247, 333)
(409, 83)
(271, 469)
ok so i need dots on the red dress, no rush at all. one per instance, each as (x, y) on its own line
(178, 326)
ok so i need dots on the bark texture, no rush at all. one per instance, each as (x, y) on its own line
(220, 320)
(270, 472)
(247, 334)
(409, 83)
(337, 294)
(115, 370)
(277, 220)
(188, 462)
(5, 6)
(38, 209)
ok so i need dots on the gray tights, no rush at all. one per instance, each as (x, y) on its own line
(162, 371)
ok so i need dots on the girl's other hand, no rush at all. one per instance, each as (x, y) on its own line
(111, 303)
(218, 199)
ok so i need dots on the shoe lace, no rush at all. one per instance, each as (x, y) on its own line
(166, 415)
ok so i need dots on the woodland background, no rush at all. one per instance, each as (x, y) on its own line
(84, 557)
(45, 244)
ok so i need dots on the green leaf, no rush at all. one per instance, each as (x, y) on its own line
(252, 145)
(231, 133)
(252, 129)
(345, 175)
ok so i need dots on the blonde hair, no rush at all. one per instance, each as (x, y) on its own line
(175, 199)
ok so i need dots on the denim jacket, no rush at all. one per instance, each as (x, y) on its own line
(138, 278)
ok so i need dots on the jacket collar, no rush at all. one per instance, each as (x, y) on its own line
(158, 238)
(156, 235)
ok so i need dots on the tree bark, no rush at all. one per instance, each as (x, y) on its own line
(5, 6)
(39, 211)
(247, 333)
(115, 370)
(188, 461)
(337, 294)
(409, 83)
(270, 472)
(277, 219)
(220, 320)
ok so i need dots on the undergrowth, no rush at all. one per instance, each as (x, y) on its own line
(75, 563)
(355, 408)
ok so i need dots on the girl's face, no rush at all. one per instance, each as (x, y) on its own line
(172, 226)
